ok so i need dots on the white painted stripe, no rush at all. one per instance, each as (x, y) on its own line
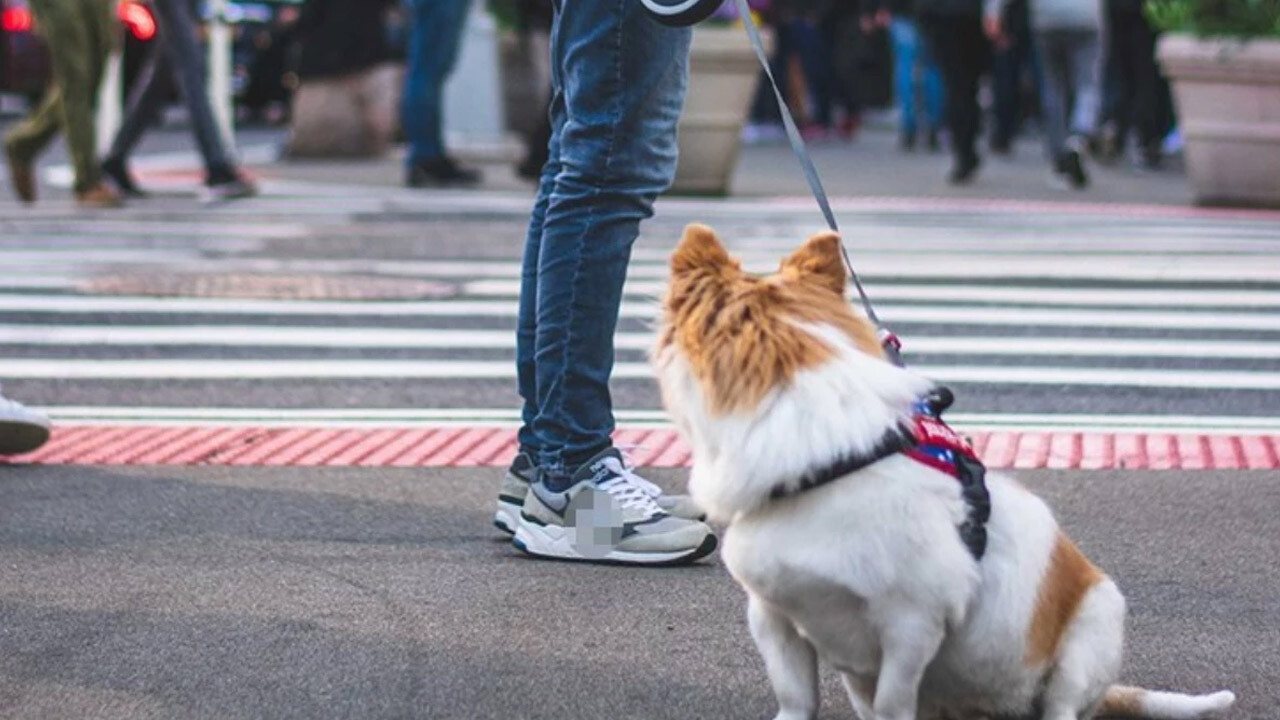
(493, 308)
(1191, 269)
(880, 291)
(73, 256)
(453, 338)
(1025, 294)
(223, 369)
(1071, 266)
(392, 417)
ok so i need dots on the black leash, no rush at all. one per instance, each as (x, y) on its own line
(888, 340)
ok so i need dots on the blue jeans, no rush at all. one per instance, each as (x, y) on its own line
(618, 84)
(434, 38)
(910, 53)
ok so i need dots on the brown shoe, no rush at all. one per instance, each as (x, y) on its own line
(22, 175)
(100, 197)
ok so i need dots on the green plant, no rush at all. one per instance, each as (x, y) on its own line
(1218, 18)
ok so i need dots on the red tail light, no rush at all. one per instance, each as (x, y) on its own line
(16, 20)
(138, 19)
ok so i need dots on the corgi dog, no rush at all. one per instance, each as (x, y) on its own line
(770, 380)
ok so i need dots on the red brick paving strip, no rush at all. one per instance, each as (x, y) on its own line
(494, 447)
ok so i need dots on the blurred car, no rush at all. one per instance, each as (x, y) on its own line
(24, 57)
(263, 56)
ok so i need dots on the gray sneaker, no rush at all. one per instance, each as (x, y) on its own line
(605, 516)
(21, 428)
(523, 471)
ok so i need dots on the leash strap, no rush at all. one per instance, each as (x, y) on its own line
(890, 341)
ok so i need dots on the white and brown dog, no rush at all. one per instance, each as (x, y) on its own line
(771, 377)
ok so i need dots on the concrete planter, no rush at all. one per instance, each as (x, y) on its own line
(722, 80)
(1228, 95)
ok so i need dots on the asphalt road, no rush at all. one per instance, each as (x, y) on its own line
(253, 593)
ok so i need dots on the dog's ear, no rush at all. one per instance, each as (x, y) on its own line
(699, 249)
(818, 261)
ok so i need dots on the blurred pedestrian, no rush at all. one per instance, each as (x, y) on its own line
(1015, 77)
(619, 82)
(1140, 100)
(80, 35)
(535, 18)
(434, 39)
(345, 105)
(1068, 42)
(176, 55)
(819, 28)
(916, 77)
(953, 29)
(22, 429)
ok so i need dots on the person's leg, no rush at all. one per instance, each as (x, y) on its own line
(527, 323)
(143, 108)
(1085, 70)
(935, 95)
(959, 46)
(179, 33)
(624, 78)
(816, 62)
(906, 52)
(33, 134)
(77, 55)
(433, 50)
(1053, 90)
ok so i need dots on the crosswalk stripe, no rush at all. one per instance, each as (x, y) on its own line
(1245, 298)
(228, 369)
(1024, 294)
(1070, 266)
(269, 336)
(975, 315)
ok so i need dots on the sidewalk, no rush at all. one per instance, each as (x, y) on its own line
(870, 167)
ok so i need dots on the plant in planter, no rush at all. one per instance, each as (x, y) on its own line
(723, 72)
(1223, 57)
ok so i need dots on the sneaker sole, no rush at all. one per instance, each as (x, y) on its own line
(553, 542)
(507, 517)
(17, 438)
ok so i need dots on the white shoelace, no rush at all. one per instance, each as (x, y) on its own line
(626, 469)
(631, 490)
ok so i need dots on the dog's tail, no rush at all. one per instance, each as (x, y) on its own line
(1133, 702)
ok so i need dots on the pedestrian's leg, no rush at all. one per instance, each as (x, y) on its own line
(935, 103)
(433, 49)
(1146, 90)
(145, 104)
(74, 47)
(26, 141)
(906, 44)
(1085, 78)
(179, 33)
(956, 43)
(527, 324)
(31, 136)
(624, 81)
(1053, 91)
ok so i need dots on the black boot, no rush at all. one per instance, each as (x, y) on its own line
(441, 172)
(966, 166)
(115, 171)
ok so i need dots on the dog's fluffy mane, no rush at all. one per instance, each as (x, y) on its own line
(770, 377)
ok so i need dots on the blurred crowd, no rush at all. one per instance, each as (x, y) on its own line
(1082, 72)
(355, 75)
